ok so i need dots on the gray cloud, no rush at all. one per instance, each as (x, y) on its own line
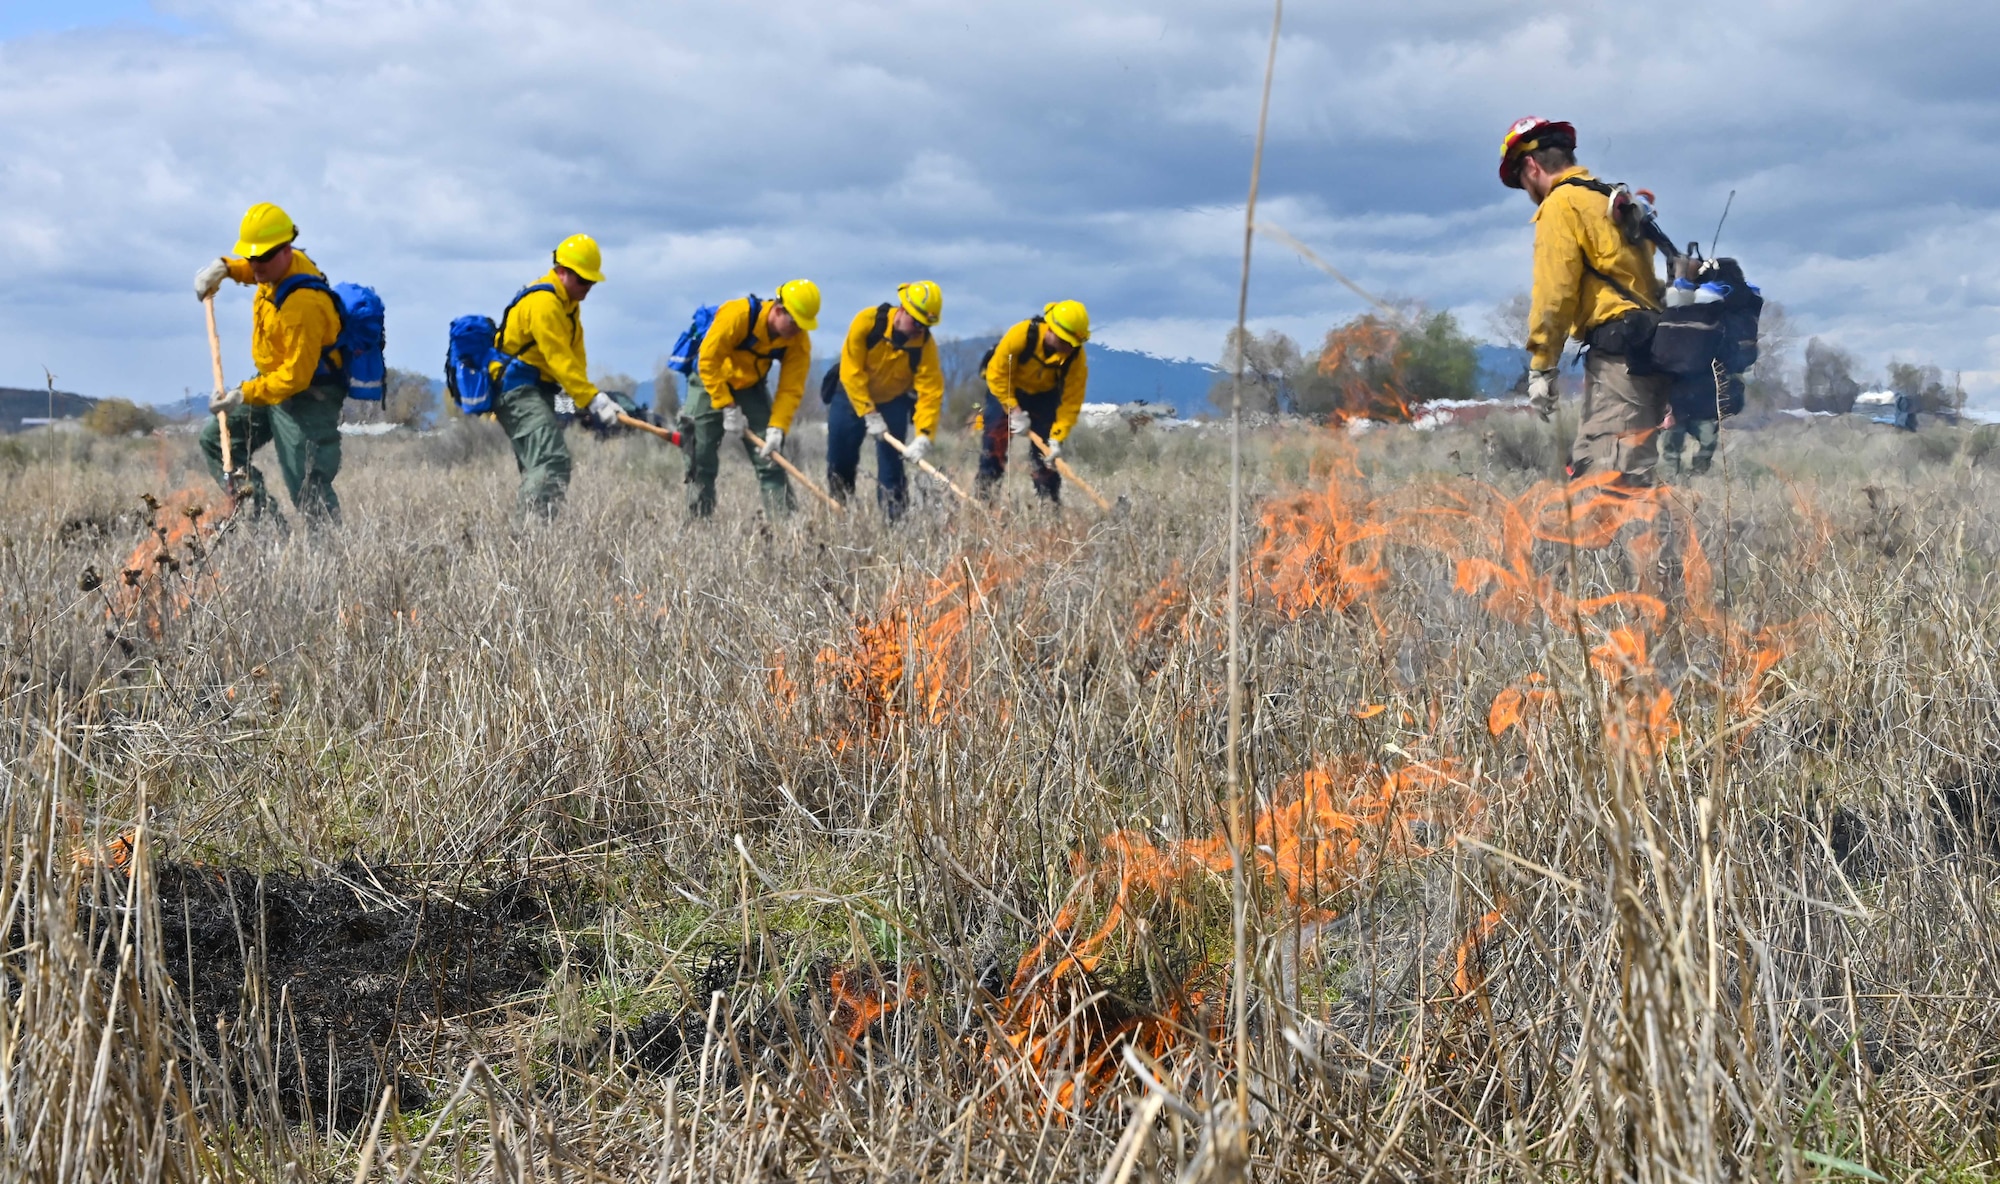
(1017, 153)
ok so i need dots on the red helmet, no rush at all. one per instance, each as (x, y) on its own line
(1531, 135)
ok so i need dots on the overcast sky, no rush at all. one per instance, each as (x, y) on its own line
(1017, 152)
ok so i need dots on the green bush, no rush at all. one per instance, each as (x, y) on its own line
(121, 417)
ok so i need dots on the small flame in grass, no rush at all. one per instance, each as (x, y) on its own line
(1326, 832)
(115, 854)
(151, 584)
(1322, 550)
(1517, 705)
(860, 998)
(913, 657)
(778, 683)
(1469, 957)
(1160, 610)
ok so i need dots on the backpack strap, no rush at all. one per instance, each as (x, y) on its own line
(284, 288)
(332, 362)
(1650, 228)
(1605, 190)
(1621, 289)
(500, 330)
(1035, 324)
(880, 333)
(750, 334)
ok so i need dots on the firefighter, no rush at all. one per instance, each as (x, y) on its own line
(888, 379)
(294, 401)
(1035, 380)
(730, 389)
(1595, 283)
(546, 376)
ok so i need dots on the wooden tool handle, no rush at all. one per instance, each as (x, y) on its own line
(671, 437)
(926, 466)
(793, 469)
(1069, 474)
(215, 359)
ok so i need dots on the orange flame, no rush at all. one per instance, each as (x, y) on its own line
(1322, 550)
(1327, 832)
(182, 528)
(1363, 357)
(914, 656)
(860, 999)
(1469, 956)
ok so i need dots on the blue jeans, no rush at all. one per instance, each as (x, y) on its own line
(997, 435)
(845, 432)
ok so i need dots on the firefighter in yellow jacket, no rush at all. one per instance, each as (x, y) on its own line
(294, 401)
(730, 389)
(1035, 380)
(888, 380)
(1596, 283)
(546, 376)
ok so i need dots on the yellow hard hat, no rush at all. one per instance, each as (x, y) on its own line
(579, 253)
(801, 299)
(1070, 319)
(265, 228)
(922, 300)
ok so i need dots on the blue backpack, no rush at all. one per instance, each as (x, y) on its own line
(354, 361)
(473, 347)
(687, 348)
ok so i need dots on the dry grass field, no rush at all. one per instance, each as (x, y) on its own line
(1596, 837)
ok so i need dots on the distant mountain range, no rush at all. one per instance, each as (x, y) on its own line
(17, 404)
(1116, 376)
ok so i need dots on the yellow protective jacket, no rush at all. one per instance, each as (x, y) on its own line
(545, 330)
(286, 343)
(737, 355)
(1573, 227)
(1023, 365)
(875, 369)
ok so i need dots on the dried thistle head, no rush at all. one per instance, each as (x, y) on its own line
(89, 580)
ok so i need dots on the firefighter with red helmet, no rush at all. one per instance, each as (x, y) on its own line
(1595, 282)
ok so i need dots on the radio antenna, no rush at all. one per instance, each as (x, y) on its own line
(1718, 223)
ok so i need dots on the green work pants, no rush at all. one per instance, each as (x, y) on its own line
(528, 414)
(703, 442)
(304, 431)
(1673, 442)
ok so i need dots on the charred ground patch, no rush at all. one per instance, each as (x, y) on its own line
(322, 979)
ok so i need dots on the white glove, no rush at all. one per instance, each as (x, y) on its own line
(914, 451)
(734, 421)
(565, 408)
(605, 410)
(208, 281)
(225, 401)
(876, 424)
(1542, 392)
(773, 437)
(1054, 452)
(1017, 421)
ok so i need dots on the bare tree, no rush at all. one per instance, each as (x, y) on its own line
(1770, 380)
(1271, 366)
(408, 398)
(1507, 322)
(1830, 384)
(666, 392)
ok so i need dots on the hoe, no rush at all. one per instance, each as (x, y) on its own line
(1069, 474)
(221, 417)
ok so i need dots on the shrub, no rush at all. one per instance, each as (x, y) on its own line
(121, 417)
